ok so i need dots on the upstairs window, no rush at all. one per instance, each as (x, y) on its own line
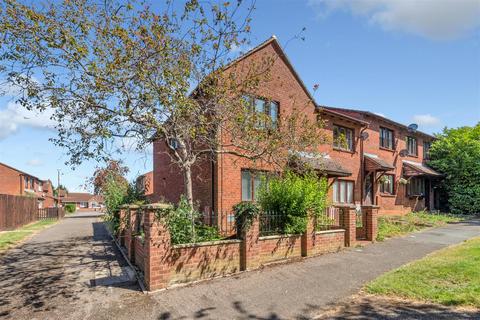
(426, 149)
(386, 138)
(412, 147)
(386, 185)
(251, 182)
(343, 191)
(342, 138)
(267, 111)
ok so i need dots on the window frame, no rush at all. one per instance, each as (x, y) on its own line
(391, 190)
(266, 110)
(382, 138)
(253, 187)
(417, 185)
(351, 146)
(337, 191)
(426, 151)
(407, 142)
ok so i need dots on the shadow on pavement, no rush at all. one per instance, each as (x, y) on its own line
(46, 275)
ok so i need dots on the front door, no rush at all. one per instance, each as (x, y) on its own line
(368, 194)
(427, 194)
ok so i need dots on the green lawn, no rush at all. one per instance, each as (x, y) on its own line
(450, 276)
(391, 226)
(9, 238)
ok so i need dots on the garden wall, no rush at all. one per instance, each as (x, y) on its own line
(164, 264)
(280, 247)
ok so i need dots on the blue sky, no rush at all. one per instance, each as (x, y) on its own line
(411, 61)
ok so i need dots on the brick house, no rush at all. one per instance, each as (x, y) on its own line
(17, 182)
(83, 200)
(353, 165)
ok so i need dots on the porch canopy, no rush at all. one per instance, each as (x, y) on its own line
(411, 169)
(374, 163)
(319, 162)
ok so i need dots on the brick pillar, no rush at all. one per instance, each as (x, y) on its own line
(348, 217)
(371, 213)
(308, 237)
(250, 249)
(157, 247)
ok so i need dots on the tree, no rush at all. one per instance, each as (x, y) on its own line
(456, 153)
(113, 171)
(123, 70)
(60, 187)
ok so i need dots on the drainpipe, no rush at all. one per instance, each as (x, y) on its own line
(362, 167)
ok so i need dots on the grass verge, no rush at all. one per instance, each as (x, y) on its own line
(391, 226)
(450, 276)
(10, 238)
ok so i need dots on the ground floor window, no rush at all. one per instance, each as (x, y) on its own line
(416, 187)
(83, 204)
(387, 184)
(343, 191)
(251, 181)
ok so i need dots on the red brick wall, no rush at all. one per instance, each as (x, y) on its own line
(168, 179)
(10, 181)
(328, 241)
(195, 262)
(276, 248)
(139, 253)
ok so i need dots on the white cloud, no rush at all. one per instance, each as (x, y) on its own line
(426, 119)
(14, 116)
(435, 19)
(35, 162)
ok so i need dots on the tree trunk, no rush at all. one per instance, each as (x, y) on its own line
(187, 179)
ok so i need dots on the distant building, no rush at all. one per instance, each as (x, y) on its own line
(82, 200)
(145, 184)
(17, 182)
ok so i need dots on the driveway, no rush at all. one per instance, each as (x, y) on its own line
(296, 290)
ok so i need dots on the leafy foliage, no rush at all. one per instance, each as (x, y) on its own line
(70, 208)
(245, 212)
(456, 153)
(294, 196)
(181, 228)
(113, 170)
(111, 71)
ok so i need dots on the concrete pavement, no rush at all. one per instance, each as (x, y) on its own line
(300, 290)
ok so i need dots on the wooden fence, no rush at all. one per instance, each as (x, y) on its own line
(50, 213)
(16, 211)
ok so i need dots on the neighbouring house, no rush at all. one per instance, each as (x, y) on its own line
(371, 160)
(82, 200)
(144, 184)
(17, 182)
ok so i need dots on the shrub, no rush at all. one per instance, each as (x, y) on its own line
(456, 153)
(245, 212)
(70, 208)
(181, 228)
(294, 196)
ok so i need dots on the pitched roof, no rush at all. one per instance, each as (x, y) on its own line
(378, 163)
(421, 169)
(21, 172)
(349, 111)
(320, 162)
(274, 41)
(78, 197)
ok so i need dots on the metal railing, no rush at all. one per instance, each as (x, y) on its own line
(272, 223)
(224, 222)
(331, 219)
